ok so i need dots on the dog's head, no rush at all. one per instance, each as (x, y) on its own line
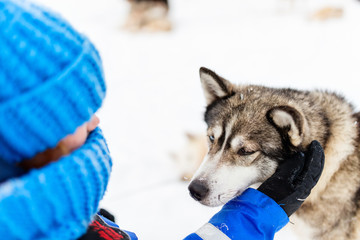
(250, 130)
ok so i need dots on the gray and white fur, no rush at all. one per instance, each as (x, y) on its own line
(253, 128)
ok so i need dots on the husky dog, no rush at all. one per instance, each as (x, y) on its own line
(253, 128)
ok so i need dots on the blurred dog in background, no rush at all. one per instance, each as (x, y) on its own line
(148, 15)
(189, 157)
(153, 15)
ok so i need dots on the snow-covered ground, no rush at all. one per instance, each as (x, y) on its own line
(154, 92)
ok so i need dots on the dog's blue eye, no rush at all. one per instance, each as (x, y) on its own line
(212, 138)
(243, 152)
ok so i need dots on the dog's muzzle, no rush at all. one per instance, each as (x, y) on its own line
(198, 190)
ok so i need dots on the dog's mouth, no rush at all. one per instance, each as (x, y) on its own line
(225, 197)
(222, 185)
(201, 192)
(219, 199)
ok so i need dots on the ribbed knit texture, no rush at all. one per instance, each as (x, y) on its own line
(51, 80)
(59, 200)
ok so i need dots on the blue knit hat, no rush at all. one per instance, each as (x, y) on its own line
(51, 80)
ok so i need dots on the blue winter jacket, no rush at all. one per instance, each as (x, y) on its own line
(250, 216)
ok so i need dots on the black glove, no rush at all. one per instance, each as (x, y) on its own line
(293, 180)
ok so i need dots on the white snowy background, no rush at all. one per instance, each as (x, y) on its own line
(154, 93)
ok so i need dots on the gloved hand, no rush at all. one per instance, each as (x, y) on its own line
(292, 182)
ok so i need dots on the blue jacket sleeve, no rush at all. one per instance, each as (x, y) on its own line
(59, 200)
(250, 216)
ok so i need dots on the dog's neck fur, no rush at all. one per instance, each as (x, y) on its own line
(340, 143)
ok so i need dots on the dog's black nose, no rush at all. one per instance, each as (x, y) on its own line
(198, 190)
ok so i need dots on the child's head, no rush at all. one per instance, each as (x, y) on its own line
(51, 82)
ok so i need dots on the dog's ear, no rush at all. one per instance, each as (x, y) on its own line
(290, 123)
(214, 86)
